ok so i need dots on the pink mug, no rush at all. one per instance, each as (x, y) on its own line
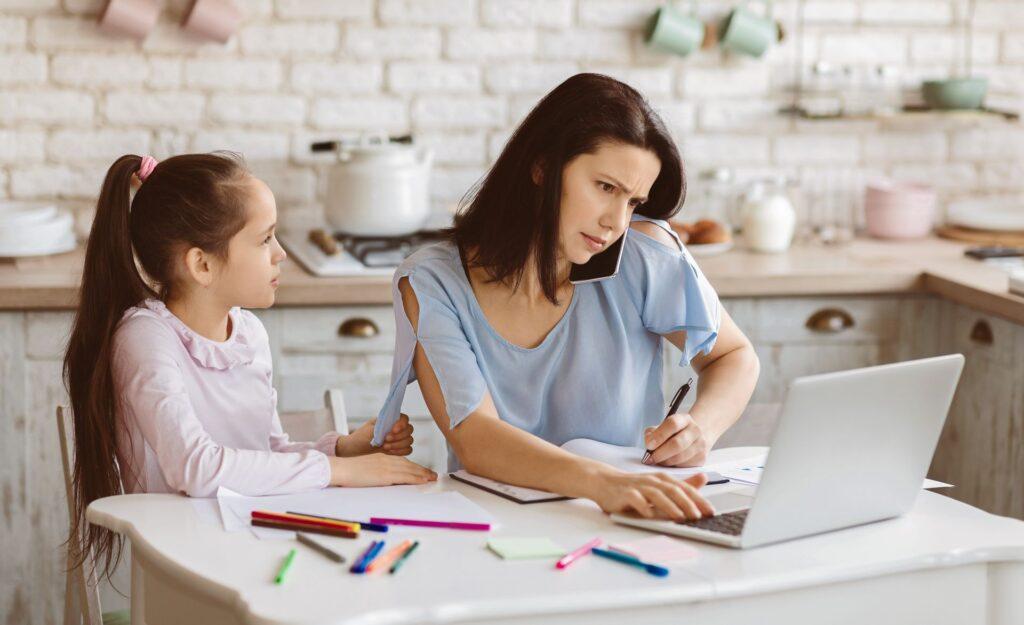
(213, 19)
(134, 18)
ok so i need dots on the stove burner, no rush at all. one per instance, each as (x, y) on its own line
(386, 251)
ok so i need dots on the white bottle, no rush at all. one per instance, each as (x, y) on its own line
(769, 218)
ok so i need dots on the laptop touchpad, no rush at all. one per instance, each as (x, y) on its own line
(732, 501)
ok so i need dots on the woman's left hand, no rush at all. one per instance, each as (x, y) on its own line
(398, 441)
(678, 442)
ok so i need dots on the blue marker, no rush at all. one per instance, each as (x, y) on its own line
(367, 557)
(653, 569)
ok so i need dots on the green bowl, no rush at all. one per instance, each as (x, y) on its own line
(954, 93)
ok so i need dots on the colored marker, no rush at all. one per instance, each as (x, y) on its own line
(653, 569)
(322, 549)
(452, 525)
(405, 556)
(298, 527)
(386, 560)
(287, 517)
(367, 557)
(370, 527)
(577, 554)
(285, 566)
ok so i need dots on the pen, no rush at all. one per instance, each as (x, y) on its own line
(402, 558)
(578, 553)
(673, 407)
(370, 527)
(320, 548)
(284, 567)
(653, 569)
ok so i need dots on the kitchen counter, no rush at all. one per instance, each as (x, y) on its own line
(864, 266)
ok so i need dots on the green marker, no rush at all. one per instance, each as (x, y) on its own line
(284, 567)
(401, 560)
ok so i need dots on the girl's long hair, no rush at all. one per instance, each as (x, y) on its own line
(193, 200)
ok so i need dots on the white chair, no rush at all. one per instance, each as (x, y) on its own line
(81, 587)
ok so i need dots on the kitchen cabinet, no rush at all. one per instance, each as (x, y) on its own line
(350, 347)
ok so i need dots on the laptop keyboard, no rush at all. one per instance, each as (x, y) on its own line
(730, 523)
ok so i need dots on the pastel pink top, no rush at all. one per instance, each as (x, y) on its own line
(198, 414)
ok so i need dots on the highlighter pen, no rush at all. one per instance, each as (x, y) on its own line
(673, 407)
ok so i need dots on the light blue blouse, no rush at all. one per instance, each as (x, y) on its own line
(597, 374)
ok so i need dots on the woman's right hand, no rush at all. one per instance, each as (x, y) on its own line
(652, 495)
(377, 470)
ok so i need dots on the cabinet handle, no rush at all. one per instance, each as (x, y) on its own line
(981, 333)
(829, 321)
(358, 328)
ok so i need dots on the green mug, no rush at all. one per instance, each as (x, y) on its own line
(747, 32)
(669, 30)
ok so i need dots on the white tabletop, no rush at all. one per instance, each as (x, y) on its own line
(453, 574)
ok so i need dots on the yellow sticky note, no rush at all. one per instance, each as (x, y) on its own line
(525, 548)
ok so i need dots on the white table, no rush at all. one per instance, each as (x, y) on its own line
(944, 562)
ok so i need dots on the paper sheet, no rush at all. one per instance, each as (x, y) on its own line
(354, 504)
(628, 459)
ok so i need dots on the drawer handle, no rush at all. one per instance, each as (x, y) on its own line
(829, 321)
(981, 333)
(358, 328)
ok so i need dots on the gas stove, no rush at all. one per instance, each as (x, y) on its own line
(339, 254)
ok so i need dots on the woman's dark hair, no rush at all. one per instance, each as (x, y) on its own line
(508, 217)
(193, 200)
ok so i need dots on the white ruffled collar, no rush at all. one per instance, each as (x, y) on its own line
(235, 351)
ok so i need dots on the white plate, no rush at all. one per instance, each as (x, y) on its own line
(60, 245)
(1003, 214)
(25, 213)
(708, 249)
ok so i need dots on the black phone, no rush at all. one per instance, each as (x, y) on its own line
(601, 265)
(994, 251)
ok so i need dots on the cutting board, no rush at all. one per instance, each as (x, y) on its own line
(982, 237)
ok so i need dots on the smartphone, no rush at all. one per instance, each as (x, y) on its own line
(994, 251)
(601, 265)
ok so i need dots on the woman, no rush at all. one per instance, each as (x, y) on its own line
(513, 359)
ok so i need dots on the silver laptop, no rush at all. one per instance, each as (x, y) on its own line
(850, 447)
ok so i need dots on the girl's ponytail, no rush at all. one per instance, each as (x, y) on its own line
(111, 283)
(191, 200)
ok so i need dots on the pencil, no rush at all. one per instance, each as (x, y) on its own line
(372, 527)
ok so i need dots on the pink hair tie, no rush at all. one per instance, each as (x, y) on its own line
(146, 167)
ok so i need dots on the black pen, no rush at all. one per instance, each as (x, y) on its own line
(673, 407)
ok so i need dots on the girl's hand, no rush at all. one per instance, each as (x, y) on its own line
(378, 470)
(652, 495)
(398, 441)
(678, 442)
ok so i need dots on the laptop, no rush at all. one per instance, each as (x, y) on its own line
(850, 447)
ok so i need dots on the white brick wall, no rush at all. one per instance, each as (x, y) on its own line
(460, 73)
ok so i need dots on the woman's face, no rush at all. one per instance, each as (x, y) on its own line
(249, 277)
(600, 191)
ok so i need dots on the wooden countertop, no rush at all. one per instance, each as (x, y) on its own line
(864, 266)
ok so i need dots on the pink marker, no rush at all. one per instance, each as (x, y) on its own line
(452, 525)
(579, 553)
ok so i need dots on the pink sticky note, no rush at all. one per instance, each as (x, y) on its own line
(661, 549)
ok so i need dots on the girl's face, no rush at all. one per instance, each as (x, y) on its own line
(249, 277)
(600, 191)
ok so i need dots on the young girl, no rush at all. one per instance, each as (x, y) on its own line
(169, 377)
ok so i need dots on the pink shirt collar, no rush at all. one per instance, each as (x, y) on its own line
(237, 350)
